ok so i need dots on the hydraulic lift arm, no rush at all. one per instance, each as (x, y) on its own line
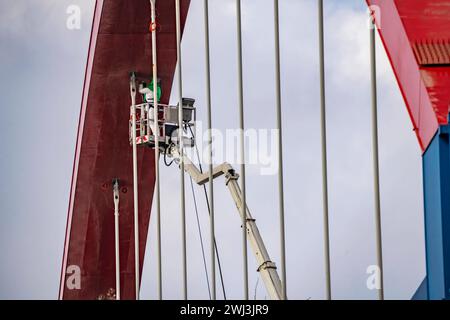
(267, 268)
(170, 145)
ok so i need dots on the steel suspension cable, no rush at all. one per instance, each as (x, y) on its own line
(376, 169)
(323, 127)
(209, 211)
(213, 246)
(201, 238)
(117, 235)
(157, 179)
(180, 137)
(280, 149)
(242, 143)
(135, 189)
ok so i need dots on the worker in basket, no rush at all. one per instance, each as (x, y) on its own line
(148, 92)
(149, 98)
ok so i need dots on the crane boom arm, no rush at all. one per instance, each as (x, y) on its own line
(267, 268)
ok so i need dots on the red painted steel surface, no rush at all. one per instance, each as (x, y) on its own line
(120, 43)
(408, 27)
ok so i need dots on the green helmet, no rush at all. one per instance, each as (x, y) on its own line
(159, 92)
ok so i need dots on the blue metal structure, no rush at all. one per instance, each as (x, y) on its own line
(436, 184)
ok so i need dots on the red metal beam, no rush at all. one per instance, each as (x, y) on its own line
(416, 36)
(120, 43)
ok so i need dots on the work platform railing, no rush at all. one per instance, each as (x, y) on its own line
(167, 124)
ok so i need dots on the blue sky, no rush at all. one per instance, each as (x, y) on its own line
(41, 77)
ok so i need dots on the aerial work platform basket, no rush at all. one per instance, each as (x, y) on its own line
(167, 124)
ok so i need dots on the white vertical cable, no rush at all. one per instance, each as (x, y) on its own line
(180, 137)
(242, 142)
(280, 148)
(209, 128)
(376, 182)
(135, 187)
(156, 134)
(117, 235)
(323, 126)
